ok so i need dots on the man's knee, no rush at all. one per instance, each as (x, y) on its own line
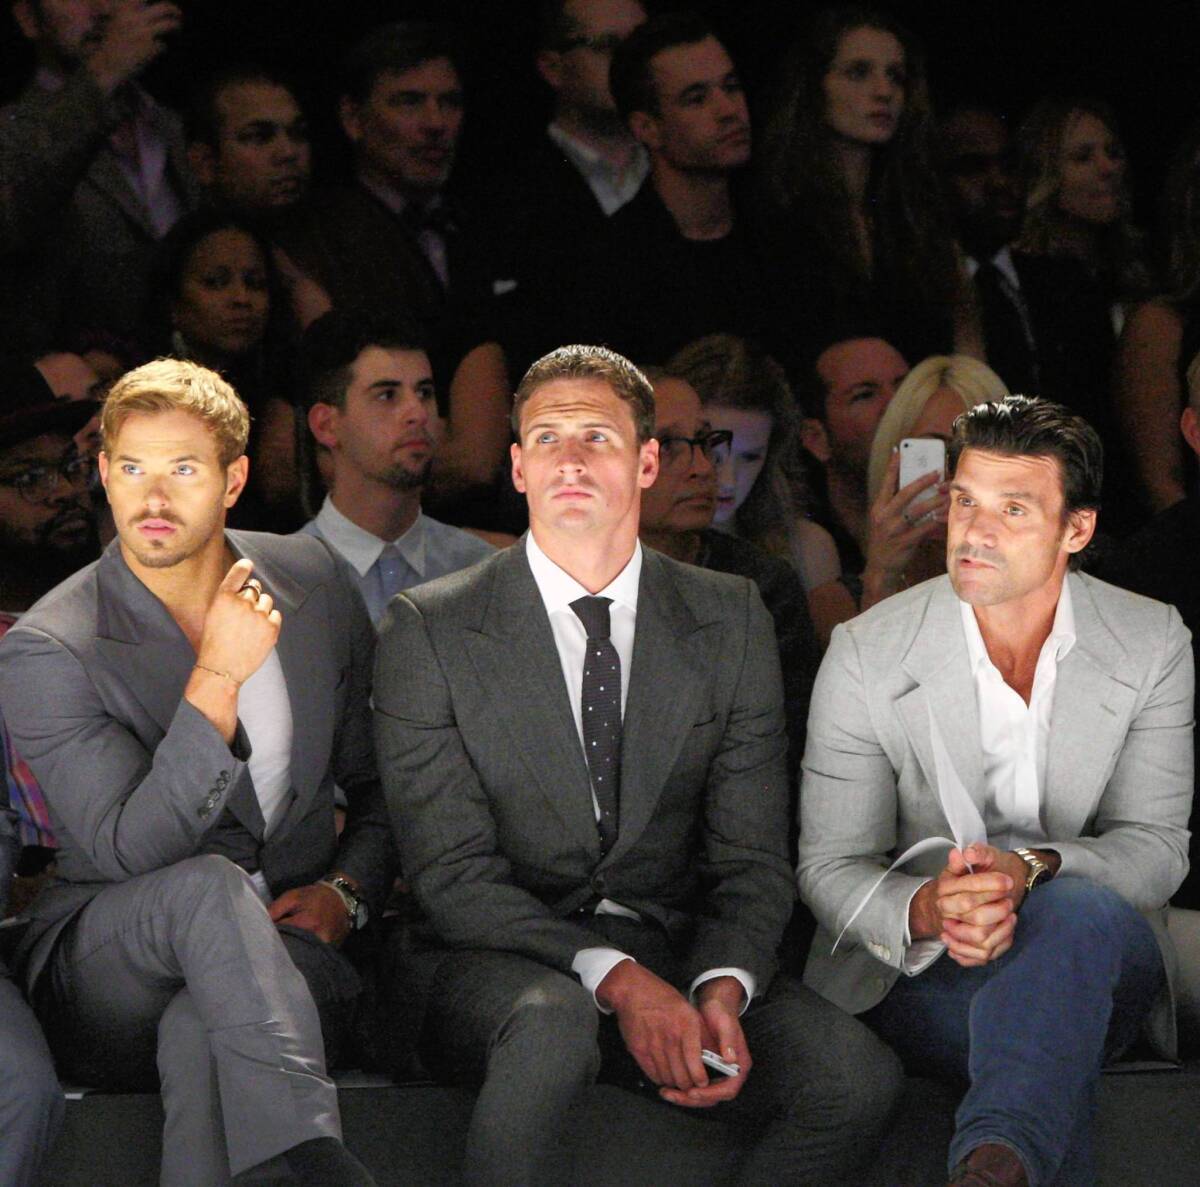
(554, 1010)
(1078, 907)
(210, 873)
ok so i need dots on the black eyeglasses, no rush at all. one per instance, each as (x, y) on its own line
(675, 451)
(34, 483)
(605, 45)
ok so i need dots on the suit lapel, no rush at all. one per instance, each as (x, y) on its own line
(140, 639)
(1092, 707)
(939, 662)
(671, 668)
(515, 656)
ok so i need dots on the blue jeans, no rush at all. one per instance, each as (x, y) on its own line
(1029, 1032)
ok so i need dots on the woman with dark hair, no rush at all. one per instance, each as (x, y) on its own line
(1159, 341)
(218, 299)
(850, 208)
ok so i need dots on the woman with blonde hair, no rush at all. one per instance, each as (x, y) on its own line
(905, 548)
(1074, 174)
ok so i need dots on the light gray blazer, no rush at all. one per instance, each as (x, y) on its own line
(136, 779)
(489, 791)
(1118, 786)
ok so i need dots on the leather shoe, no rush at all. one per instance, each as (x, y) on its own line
(990, 1165)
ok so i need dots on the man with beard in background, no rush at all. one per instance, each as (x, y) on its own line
(372, 406)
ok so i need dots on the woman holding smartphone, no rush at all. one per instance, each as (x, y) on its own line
(907, 542)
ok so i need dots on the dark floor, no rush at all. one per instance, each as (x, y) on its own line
(1149, 1136)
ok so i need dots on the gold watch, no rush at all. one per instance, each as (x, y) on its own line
(1036, 870)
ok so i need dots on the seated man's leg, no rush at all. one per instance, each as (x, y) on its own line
(528, 1033)
(822, 1089)
(1031, 1030)
(31, 1101)
(199, 923)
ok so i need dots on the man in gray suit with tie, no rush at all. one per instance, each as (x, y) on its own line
(187, 704)
(583, 748)
(1041, 720)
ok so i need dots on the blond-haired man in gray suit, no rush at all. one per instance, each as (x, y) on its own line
(187, 704)
(1042, 720)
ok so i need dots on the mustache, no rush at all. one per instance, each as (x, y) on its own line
(165, 516)
(970, 552)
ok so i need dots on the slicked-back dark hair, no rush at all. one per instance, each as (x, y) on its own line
(628, 383)
(1026, 426)
(334, 341)
(395, 48)
(630, 78)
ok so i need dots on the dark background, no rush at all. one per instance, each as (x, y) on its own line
(1143, 58)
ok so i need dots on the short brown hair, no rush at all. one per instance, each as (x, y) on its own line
(176, 385)
(591, 362)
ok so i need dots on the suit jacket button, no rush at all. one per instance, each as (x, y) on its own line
(599, 884)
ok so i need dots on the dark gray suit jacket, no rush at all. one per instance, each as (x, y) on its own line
(489, 791)
(136, 778)
(76, 242)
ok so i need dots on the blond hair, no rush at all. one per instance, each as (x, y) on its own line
(970, 380)
(177, 385)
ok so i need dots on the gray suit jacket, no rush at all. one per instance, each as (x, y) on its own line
(489, 791)
(76, 243)
(92, 679)
(1118, 769)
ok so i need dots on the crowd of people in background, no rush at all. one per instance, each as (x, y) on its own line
(806, 281)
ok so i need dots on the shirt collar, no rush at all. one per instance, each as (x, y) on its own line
(1002, 261)
(362, 548)
(591, 161)
(393, 199)
(1060, 640)
(559, 589)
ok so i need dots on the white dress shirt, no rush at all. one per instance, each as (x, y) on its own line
(1013, 739)
(558, 590)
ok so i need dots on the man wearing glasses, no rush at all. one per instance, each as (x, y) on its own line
(677, 518)
(582, 744)
(47, 524)
(46, 532)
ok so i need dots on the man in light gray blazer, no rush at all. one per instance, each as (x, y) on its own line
(583, 749)
(187, 704)
(1041, 721)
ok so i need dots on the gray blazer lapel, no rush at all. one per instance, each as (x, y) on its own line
(140, 640)
(514, 655)
(939, 662)
(671, 670)
(1091, 711)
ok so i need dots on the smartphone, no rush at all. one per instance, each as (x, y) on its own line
(920, 456)
(714, 1062)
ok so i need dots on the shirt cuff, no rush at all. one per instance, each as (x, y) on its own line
(918, 955)
(746, 978)
(592, 965)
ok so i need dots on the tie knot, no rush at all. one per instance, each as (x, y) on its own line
(593, 613)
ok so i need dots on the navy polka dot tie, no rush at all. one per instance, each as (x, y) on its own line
(601, 709)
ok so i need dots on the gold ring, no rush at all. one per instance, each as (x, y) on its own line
(254, 584)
